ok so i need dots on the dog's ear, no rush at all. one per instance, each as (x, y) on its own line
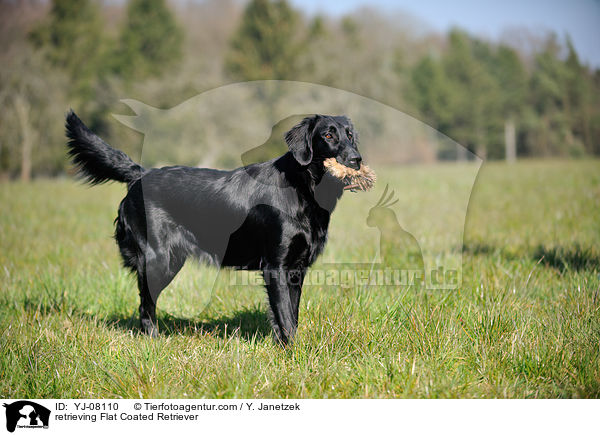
(299, 140)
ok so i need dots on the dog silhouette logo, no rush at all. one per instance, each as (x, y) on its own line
(243, 123)
(26, 414)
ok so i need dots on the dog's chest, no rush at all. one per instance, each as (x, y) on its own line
(316, 228)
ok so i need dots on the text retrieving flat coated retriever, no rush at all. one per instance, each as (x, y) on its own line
(271, 216)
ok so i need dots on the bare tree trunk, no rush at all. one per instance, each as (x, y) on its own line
(22, 111)
(510, 143)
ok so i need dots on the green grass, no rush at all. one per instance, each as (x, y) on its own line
(524, 323)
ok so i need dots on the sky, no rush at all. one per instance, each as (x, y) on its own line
(578, 18)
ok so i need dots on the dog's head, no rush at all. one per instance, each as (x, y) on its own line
(320, 137)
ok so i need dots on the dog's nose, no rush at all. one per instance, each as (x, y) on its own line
(355, 162)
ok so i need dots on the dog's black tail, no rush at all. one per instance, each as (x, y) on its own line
(96, 160)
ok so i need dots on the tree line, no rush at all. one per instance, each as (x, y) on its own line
(507, 99)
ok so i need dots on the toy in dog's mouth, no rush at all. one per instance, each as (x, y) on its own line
(354, 179)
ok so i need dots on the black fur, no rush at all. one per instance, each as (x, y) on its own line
(271, 216)
(97, 161)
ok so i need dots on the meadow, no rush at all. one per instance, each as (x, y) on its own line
(524, 323)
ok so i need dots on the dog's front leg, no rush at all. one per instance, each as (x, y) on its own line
(284, 321)
(295, 281)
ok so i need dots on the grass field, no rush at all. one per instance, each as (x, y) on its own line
(525, 323)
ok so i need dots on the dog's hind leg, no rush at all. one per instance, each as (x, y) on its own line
(148, 321)
(153, 263)
(158, 269)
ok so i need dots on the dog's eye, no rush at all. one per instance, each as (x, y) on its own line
(328, 136)
(350, 135)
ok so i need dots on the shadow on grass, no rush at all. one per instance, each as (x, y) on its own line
(248, 322)
(573, 258)
(564, 259)
(488, 250)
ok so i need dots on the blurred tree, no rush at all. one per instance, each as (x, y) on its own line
(477, 94)
(430, 94)
(511, 76)
(552, 134)
(594, 111)
(32, 95)
(317, 28)
(580, 98)
(265, 46)
(73, 41)
(150, 41)
(359, 53)
(473, 92)
(351, 31)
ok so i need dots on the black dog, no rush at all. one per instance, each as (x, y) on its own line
(271, 216)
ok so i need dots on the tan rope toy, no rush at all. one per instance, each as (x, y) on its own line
(362, 179)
